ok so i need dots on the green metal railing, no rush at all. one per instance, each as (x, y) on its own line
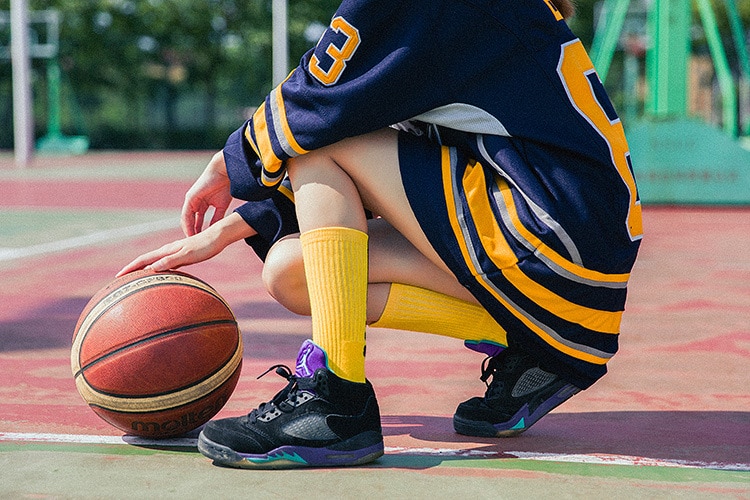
(667, 58)
(721, 64)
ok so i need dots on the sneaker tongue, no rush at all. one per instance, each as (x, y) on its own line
(484, 347)
(310, 358)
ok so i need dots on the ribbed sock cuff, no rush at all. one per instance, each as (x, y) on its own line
(418, 309)
(336, 270)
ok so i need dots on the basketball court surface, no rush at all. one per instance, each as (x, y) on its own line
(671, 419)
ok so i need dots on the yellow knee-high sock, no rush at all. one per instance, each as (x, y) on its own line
(336, 270)
(420, 310)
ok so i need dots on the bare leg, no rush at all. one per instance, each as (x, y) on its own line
(332, 187)
(333, 184)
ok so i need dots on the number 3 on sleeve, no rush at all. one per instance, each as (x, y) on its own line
(340, 55)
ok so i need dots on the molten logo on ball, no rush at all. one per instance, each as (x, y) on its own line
(185, 423)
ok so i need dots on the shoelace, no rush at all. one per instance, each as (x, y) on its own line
(502, 364)
(279, 400)
(490, 366)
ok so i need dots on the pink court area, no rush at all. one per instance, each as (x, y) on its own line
(676, 394)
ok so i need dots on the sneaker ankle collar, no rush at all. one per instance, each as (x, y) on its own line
(311, 358)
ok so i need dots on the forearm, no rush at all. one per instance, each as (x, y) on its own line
(230, 229)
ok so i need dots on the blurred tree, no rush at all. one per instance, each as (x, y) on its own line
(132, 65)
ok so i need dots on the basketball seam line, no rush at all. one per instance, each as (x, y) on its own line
(149, 339)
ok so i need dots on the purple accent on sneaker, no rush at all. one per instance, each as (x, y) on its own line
(297, 456)
(488, 348)
(527, 420)
(310, 359)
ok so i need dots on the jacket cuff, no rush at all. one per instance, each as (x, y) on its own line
(244, 169)
(272, 218)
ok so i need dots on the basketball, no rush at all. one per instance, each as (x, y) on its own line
(156, 354)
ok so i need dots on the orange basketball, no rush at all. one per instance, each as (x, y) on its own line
(156, 354)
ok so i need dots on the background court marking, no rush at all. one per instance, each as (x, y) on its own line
(7, 254)
(191, 442)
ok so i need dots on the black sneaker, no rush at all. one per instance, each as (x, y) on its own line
(520, 393)
(317, 420)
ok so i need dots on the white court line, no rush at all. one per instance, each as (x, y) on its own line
(191, 442)
(7, 254)
(89, 439)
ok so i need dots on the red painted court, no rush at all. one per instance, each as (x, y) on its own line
(672, 417)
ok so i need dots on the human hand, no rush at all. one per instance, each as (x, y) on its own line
(190, 250)
(211, 189)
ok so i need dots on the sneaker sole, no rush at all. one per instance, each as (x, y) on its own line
(521, 421)
(291, 457)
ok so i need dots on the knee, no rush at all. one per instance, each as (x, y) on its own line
(284, 276)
